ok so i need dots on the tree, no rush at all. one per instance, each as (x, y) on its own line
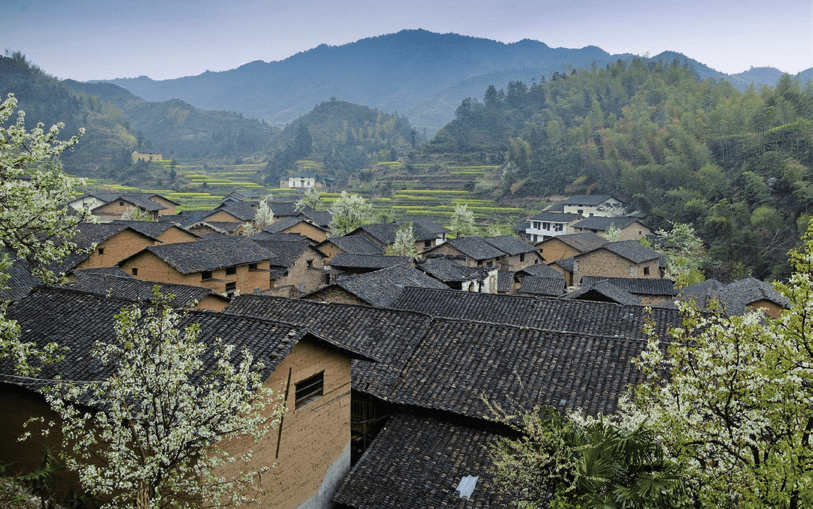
(137, 214)
(154, 437)
(310, 198)
(684, 253)
(731, 397)
(462, 221)
(404, 244)
(349, 212)
(35, 226)
(561, 464)
(262, 218)
(612, 234)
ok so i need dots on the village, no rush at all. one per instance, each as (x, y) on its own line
(389, 363)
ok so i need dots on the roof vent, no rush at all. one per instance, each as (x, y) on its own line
(466, 486)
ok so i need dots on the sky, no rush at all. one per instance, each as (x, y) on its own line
(163, 39)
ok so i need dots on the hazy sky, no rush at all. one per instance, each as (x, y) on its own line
(105, 39)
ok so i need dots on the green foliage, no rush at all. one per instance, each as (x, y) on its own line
(349, 212)
(684, 253)
(731, 399)
(598, 465)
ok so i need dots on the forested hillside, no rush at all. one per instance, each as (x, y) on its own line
(735, 164)
(343, 137)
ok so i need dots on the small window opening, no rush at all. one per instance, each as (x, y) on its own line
(101, 250)
(134, 271)
(230, 271)
(206, 274)
(309, 389)
(522, 257)
(646, 271)
(252, 266)
(309, 263)
(230, 289)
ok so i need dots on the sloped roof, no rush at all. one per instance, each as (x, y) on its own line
(545, 286)
(210, 253)
(604, 223)
(388, 335)
(78, 319)
(631, 250)
(222, 227)
(604, 291)
(460, 363)
(130, 288)
(279, 237)
(735, 297)
(381, 287)
(382, 232)
(424, 459)
(365, 261)
(555, 217)
(429, 226)
(540, 270)
(356, 244)
(187, 217)
(20, 283)
(505, 281)
(587, 199)
(140, 200)
(581, 242)
(288, 222)
(475, 247)
(318, 217)
(151, 228)
(636, 285)
(449, 271)
(510, 245)
(90, 234)
(285, 253)
(579, 317)
(241, 210)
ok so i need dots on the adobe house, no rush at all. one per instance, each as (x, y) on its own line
(153, 204)
(567, 246)
(113, 243)
(226, 265)
(629, 228)
(649, 291)
(517, 253)
(617, 259)
(735, 297)
(350, 244)
(204, 228)
(296, 265)
(146, 156)
(426, 232)
(476, 251)
(299, 225)
(164, 232)
(311, 449)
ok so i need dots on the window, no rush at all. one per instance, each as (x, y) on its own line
(101, 250)
(230, 271)
(134, 271)
(309, 389)
(121, 204)
(230, 289)
(646, 271)
(580, 211)
(558, 227)
(522, 257)
(252, 266)
(546, 226)
(427, 243)
(206, 274)
(309, 264)
(537, 225)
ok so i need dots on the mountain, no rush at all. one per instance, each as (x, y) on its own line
(420, 74)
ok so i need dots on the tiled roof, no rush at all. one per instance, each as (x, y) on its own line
(356, 244)
(636, 285)
(384, 334)
(187, 217)
(241, 210)
(475, 247)
(429, 226)
(736, 296)
(285, 253)
(545, 286)
(581, 242)
(604, 223)
(448, 271)
(223, 227)
(279, 237)
(149, 228)
(365, 261)
(287, 222)
(20, 282)
(78, 319)
(510, 245)
(318, 217)
(566, 263)
(419, 462)
(586, 199)
(505, 281)
(382, 232)
(540, 270)
(129, 288)
(555, 217)
(579, 317)
(210, 253)
(459, 363)
(381, 287)
(141, 200)
(90, 234)
(101, 271)
(283, 208)
(632, 250)
(604, 291)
